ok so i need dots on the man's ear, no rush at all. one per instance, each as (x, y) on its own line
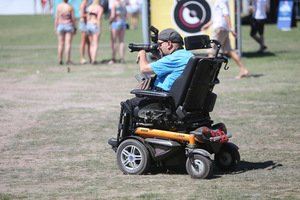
(170, 45)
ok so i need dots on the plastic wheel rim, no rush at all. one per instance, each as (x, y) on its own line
(200, 166)
(131, 157)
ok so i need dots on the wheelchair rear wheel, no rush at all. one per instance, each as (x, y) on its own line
(228, 158)
(204, 167)
(133, 157)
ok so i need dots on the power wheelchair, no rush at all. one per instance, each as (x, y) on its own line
(176, 129)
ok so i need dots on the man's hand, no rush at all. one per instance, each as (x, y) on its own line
(144, 65)
(206, 26)
(234, 34)
(142, 53)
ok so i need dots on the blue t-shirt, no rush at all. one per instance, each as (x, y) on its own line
(169, 68)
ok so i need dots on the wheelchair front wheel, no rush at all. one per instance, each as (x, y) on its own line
(133, 157)
(203, 169)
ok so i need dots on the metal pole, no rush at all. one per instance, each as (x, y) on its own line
(145, 20)
(238, 28)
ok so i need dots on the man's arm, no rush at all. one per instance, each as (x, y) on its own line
(227, 18)
(268, 6)
(207, 25)
(144, 65)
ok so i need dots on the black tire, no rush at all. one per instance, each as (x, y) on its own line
(133, 157)
(228, 158)
(205, 167)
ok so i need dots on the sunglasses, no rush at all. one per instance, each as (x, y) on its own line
(159, 44)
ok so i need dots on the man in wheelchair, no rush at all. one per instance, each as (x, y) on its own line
(170, 124)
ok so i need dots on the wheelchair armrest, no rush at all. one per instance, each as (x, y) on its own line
(151, 94)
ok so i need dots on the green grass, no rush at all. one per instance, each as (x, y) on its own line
(54, 125)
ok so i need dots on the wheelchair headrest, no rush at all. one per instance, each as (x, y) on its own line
(197, 42)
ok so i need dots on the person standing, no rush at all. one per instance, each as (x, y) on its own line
(93, 27)
(65, 27)
(221, 29)
(118, 28)
(82, 27)
(259, 10)
(134, 10)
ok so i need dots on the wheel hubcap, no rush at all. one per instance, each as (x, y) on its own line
(225, 159)
(199, 165)
(131, 157)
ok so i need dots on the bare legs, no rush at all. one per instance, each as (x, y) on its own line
(237, 59)
(61, 43)
(94, 39)
(134, 20)
(64, 40)
(85, 43)
(68, 40)
(114, 35)
(122, 46)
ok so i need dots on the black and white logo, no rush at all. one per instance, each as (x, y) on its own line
(190, 15)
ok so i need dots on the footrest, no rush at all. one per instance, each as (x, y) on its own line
(113, 142)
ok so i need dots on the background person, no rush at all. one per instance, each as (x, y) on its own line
(118, 28)
(93, 27)
(134, 10)
(259, 16)
(65, 27)
(82, 27)
(221, 28)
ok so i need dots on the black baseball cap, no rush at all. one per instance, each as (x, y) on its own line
(170, 34)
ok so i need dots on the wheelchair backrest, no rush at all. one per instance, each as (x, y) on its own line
(191, 89)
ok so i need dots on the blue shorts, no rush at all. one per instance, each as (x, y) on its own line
(82, 26)
(119, 24)
(65, 28)
(92, 28)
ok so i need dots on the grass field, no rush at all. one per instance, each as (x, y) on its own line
(54, 125)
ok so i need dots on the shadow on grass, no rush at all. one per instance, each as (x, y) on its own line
(154, 170)
(247, 166)
(257, 55)
(217, 173)
(254, 75)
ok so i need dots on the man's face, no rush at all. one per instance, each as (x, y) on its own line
(162, 47)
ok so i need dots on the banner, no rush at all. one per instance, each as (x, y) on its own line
(186, 16)
(285, 11)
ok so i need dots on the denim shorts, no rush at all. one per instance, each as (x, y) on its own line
(82, 26)
(64, 28)
(119, 24)
(92, 28)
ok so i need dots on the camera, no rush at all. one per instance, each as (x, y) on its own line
(147, 47)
